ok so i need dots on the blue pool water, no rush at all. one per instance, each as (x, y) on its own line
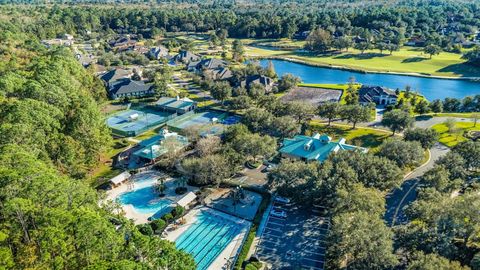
(207, 238)
(145, 200)
(431, 88)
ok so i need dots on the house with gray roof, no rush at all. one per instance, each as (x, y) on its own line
(376, 94)
(258, 79)
(115, 74)
(129, 88)
(185, 57)
(158, 52)
(318, 147)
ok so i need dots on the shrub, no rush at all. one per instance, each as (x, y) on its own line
(145, 229)
(178, 211)
(167, 217)
(158, 225)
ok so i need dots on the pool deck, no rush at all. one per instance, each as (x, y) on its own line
(130, 212)
(229, 253)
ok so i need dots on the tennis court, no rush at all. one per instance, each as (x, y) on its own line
(195, 119)
(134, 122)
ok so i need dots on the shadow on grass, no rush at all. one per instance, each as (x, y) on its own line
(363, 56)
(369, 140)
(414, 59)
(462, 69)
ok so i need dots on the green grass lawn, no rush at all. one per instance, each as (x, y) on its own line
(451, 140)
(364, 137)
(406, 60)
(459, 115)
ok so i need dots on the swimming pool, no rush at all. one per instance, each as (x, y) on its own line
(144, 198)
(207, 238)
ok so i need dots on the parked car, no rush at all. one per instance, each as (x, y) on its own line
(281, 199)
(278, 213)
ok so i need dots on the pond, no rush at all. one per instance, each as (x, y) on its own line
(431, 88)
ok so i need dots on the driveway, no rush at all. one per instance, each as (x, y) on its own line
(400, 198)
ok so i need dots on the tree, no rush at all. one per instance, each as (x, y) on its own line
(318, 40)
(427, 137)
(163, 77)
(208, 146)
(392, 47)
(473, 56)
(342, 43)
(256, 90)
(359, 198)
(287, 82)
(207, 170)
(221, 91)
(329, 110)
(299, 110)
(432, 50)
(257, 120)
(238, 50)
(381, 46)
(253, 145)
(351, 94)
(270, 70)
(422, 107)
(360, 241)
(436, 106)
(284, 127)
(475, 117)
(397, 120)
(362, 46)
(405, 154)
(451, 125)
(470, 151)
(432, 261)
(355, 113)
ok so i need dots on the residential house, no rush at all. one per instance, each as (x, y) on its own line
(129, 88)
(115, 74)
(207, 64)
(416, 42)
(318, 147)
(158, 145)
(123, 43)
(185, 57)
(158, 53)
(376, 94)
(258, 79)
(176, 105)
(219, 74)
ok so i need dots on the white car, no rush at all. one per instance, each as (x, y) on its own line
(278, 213)
(282, 200)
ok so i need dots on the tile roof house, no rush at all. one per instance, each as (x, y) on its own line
(155, 146)
(177, 105)
(207, 64)
(318, 147)
(129, 88)
(259, 79)
(376, 94)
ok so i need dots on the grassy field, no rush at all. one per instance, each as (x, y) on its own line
(364, 137)
(406, 60)
(459, 115)
(451, 140)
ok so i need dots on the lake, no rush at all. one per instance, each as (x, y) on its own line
(431, 88)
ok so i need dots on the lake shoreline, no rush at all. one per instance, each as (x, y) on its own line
(362, 71)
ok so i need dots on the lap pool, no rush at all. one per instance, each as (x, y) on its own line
(208, 237)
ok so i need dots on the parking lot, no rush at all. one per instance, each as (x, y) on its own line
(295, 242)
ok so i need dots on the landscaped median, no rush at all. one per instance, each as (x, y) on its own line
(455, 134)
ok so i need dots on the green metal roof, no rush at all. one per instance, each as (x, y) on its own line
(315, 148)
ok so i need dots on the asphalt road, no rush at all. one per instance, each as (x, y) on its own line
(400, 198)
